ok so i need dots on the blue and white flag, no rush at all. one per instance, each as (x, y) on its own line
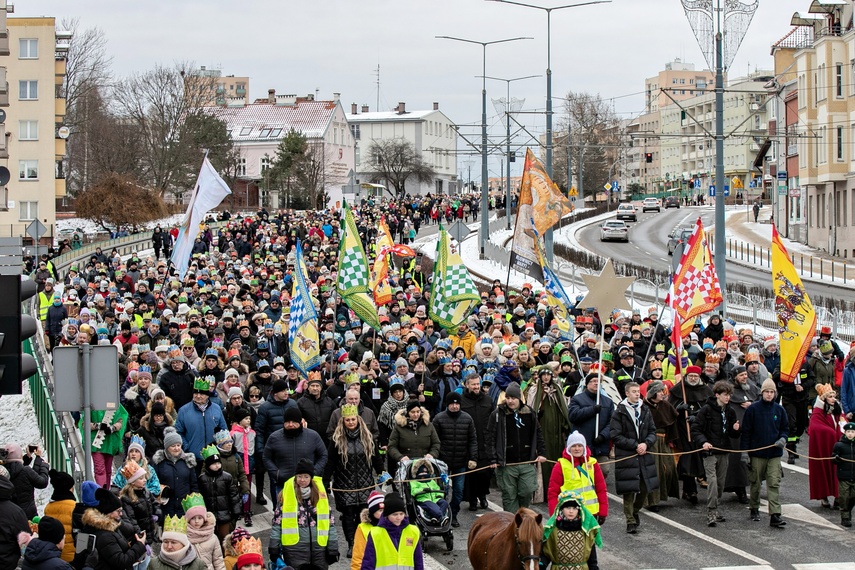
(303, 323)
(210, 190)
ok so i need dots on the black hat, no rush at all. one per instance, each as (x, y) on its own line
(738, 369)
(413, 403)
(292, 414)
(211, 459)
(107, 501)
(305, 467)
(51, 530)
(279, 386)
(240, 414)
(453, 398)
(60, 481)
(158, 409)
(393, 503)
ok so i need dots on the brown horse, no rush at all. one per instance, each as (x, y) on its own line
(502, 541)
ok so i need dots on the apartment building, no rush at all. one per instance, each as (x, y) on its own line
(35, 70)
(430, 131)
(221, 89)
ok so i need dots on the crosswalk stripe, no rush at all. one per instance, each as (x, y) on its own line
(826, 566)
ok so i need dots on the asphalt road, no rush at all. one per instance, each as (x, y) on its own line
(648, 239)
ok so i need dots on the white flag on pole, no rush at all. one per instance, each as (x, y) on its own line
(210, 190)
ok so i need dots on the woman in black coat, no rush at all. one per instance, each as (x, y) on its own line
(117, 545)
(26, 479)
(176, 471)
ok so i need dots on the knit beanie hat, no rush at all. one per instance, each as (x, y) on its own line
(768, 384)
(413, 403)
(157, 391)
(292, 414)
(87, 493)
(171, 437)
(453, 398)
(107, 501)
(394, 503)
(575, 438)
(279, 386)
(375, 502)
(240, 414)
(305, 467)
(235, 391)
(60, 481)
(513, 391)
(51, 530)
(14, 453)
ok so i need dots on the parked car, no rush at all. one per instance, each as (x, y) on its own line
(650, 204)
(679, 236)
(614, 230)
(672, 202)
(626, 211)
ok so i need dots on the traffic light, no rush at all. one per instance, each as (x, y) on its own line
(15, 327)
(648, 157)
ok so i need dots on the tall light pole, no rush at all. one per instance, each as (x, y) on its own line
(508, 111)
(485, 226)
(547, 239)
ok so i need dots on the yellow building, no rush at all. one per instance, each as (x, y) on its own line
(35, 70)
(218, 89)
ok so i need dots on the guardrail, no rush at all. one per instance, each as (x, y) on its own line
(806, 265)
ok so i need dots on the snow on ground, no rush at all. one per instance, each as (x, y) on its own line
(90, 228)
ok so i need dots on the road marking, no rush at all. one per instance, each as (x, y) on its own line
(826, 566)
(738, 568)
(796, 468)
(798, 512)
(700, 535)
(433, 563)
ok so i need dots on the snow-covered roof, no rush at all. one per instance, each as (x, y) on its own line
(267, 121)
(389, 116)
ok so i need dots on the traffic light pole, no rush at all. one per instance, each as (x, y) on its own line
(720, 252)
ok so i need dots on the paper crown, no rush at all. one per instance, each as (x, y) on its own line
(163, 342)
(137, 441)
(314, 375)
(129, 469)
(187, 341)
(143, 348)
(175, 524)
(145, 368)
(209, 451)
(203, 384)
(190, 501)
(216, 344)
(248, 545)
(211, 352)
(349, 410)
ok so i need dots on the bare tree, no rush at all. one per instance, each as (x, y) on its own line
(136, 206)
(318, 172)
(397, 162)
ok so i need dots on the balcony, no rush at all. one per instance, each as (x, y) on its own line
(59, 148)
(59, 109)
(59, 188)
(240, 91)
(4, 42)
(4, 92)
(60, 67)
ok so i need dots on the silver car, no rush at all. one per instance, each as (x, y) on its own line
(614, 230)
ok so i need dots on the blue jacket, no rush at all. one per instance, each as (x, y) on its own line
(763, 424)
(270, 418)
(197, 428)
(847, 388)
(582, 416)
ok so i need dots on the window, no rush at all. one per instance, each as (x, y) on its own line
(28, 170)
(244, 131)
(28, 211)
(354, 129)
(265, 163)
(264, 133)
(838, 81)
(839, 143)
(28, 130)
(275, 132)
(241, 167)
(28, 90)
(28, 48)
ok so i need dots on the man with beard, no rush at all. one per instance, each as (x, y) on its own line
(479, 405)
(688, 396)
(317, 407)
(287, 446)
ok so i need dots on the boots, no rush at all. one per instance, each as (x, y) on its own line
(776, 521)
(350, 550)
(791, 452)
(247, 513)
(711, 518)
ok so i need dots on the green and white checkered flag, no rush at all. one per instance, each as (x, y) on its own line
(352, 281)
(453, 294)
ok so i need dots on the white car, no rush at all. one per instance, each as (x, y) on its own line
(614, 230)
(650, 204)
(626, 211)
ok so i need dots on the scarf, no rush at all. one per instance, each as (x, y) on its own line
(180, 558)
(414, 425)
(634, 413)
(200, 535)
(388, 410)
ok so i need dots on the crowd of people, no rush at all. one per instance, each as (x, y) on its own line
(212, 409)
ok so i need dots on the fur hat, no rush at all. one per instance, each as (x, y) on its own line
(768, 384)
(654, 388)
(513, 391)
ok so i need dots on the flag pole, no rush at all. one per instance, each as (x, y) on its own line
(599, 382)
(653, 338)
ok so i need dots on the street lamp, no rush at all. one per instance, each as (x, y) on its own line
(485, 227)
(547, 239)
(508, 157)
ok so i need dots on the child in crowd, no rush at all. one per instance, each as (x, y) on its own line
(243, 439)
(427, 492)
(136, 452)
(368, 520)
(844, 456)
(220, 491)
(200, 532)
(571, 535)
(394, 526)
(138, 504)
(233, 465)
(230, 542)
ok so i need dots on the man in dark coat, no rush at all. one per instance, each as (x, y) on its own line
(459, 449)
(633, 433)
(177, 382)
(317, 408)
(13, 522)
(26, 479)
(688, 396)
(478, 404)
(583, 412)
(285, 447)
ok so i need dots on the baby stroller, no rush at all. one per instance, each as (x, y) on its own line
(427, 524)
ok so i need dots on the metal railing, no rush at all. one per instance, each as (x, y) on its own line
(806, 265)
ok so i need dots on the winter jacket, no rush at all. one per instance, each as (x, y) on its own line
(270, 418)
(406, 442)
(206, 544)
(178, 385)
(26, 479)
(847, 388)
(178, 475)
(497, 439)
(358, 473)
(480, 407)
(584, 419)
(710, 426)
(458, 440)
(307, 551)
(153, 434)
(317, 413)
(595, 476)
(13, 521)
(844, 450)
(807, 379)
(764, 423)
(197, 428)
(284, 450)
(233, 465)
(369, 556)
(139, 513)
(117, 548)
(221, 494)
(42, 555)
(629, 472)
(61, 507)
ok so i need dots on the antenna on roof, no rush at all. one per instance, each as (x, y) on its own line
(377, 73)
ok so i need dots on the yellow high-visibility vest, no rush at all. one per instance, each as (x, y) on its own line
(290, 531)
(581, 480)
(44, 303)
(388, 558)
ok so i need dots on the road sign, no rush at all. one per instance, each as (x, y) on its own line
(697, 182)
(795, 192)
(459, 231)
(36, 229)
(68, 385)
(607, 186)
(782, 175)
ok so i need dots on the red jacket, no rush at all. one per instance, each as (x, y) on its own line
(556, 480)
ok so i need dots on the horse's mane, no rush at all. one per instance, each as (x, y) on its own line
(530, 529)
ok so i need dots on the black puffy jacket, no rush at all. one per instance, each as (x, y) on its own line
(844, 449)
(458, 440)
(317, 413)
(479, 407)
(179, 476)
(707, 427)
(43, 555)
(178, 385)
(270, 418)
(139, 513)
(221, 494)
(114, 540)
(13, 521)
(628, 472)
(26, 479)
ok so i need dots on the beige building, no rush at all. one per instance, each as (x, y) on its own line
(224, 89)
(35, 74)
(680, 80)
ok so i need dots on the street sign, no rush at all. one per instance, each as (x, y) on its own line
(36, 230)
(459, 231)
(795, 192)
(697, 182)
(607, 186)
(726, 190)
(782, 175)
(68, 384)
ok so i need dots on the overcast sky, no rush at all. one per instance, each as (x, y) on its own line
(335, 46)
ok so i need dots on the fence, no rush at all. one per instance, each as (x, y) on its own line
(806, 266)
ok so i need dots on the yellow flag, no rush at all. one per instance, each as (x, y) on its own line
(795, 313)
(379, 282)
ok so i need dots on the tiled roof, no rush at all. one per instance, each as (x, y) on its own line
(310, 118)
(384, 116)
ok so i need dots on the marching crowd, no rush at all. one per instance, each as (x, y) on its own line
(212, 409)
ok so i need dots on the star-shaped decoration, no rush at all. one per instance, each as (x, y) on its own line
(606, 291)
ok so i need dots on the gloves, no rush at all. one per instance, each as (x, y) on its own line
(383, 478)
(154, 518)
(600, 439)
(601, 520)
(92, 559)
(106, 428)
(597, 408)
(836, 458)
(244, 498)
(781, 443)
(444, 478)
(472, 464)
(331, 556)
(147, 550)
(745, 459)
(682, 407)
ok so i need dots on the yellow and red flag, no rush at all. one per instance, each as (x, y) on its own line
(696, 289)
(379, 283)
(795, 313)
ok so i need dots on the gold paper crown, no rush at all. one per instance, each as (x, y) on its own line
(314, 375)
(349, 410)
(130, 468)
(248, 546)
(175, 524)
